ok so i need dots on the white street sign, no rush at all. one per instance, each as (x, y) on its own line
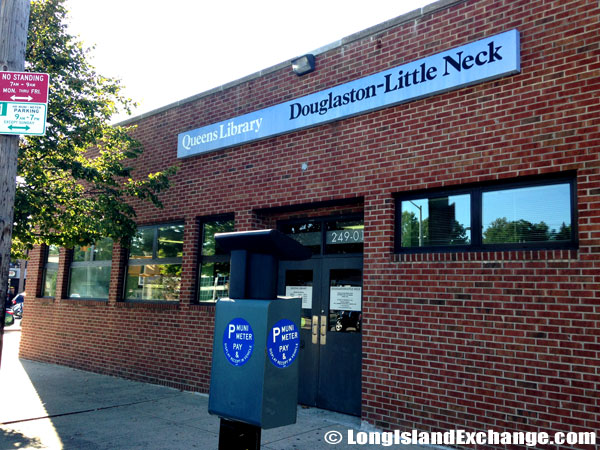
(23, 118)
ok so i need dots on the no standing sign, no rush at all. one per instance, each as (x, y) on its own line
(23, 103)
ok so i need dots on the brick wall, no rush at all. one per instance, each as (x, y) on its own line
(502, 340)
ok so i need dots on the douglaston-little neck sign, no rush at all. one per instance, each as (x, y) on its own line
(487, 59)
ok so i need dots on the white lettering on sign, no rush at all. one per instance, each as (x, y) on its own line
(288, 331)
(476, 62)
(238, 341)
(244, 336)
(22, 118)
(227, 130)
(241, 332)
(23, 76)
(285, 346)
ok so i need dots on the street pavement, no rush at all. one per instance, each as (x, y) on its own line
(46, 406)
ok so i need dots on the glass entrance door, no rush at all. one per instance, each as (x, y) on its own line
(331, 324)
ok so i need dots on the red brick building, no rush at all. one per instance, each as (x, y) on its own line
(455, 281)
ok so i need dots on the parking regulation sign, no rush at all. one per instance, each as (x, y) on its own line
(23, 103)
(23, 118)
(24, 87)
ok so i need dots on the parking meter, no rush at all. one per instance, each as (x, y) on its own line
(254, 375)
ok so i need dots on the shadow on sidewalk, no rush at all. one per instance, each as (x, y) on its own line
(18, 440)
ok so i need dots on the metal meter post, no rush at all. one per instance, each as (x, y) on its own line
(254, 375)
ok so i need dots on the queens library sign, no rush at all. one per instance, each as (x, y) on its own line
(487, 59)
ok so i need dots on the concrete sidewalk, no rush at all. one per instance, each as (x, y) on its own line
(45, 406)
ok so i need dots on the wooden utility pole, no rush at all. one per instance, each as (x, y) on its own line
(14, 23)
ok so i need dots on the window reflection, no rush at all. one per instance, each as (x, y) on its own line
(154, 271)
(89, 282)
(213, 279)
(90, 270)
(530, 214)
(307, 233)
(440, 221)
(154, 282)
(142, 243)
(170, 241)
(50, 271)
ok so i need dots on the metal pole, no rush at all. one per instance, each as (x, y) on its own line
(420, 222)
(234, 435)
(14, 23)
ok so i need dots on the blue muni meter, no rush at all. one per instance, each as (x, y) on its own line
(254, 377)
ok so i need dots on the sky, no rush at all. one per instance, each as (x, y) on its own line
(167, 51)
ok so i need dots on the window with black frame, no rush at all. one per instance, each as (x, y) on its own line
(436, 221)
(213, 276)
(154, 268)
(517, 215)
(50, 271)
(530, 214)
(90, 270)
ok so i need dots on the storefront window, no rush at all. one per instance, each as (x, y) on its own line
(50, 271)
(506, 216)
(529, 214)
(213, 279)
(90, 270)
(441, 221)
(154, 271)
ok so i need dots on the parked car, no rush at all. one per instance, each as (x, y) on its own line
(18, 310)
(348, 320)
(19, 298)
(9, 318)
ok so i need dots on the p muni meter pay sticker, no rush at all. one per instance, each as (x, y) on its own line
(283, 343)
(238, 341)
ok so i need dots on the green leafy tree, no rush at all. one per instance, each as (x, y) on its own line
(410, 229)
(564, 233)
(455, 234)
(458, 234)
(502, 230)
(74, 183)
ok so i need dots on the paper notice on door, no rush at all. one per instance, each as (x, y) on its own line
(345, 298)
(304, 292)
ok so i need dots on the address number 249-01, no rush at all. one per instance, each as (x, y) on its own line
(345, 236)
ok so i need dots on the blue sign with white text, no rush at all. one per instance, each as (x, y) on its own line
(487, 59)
(283, 343)
(238, 341)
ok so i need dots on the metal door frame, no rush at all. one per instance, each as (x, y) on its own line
(316, 370)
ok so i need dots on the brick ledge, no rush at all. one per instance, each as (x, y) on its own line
(488, 257)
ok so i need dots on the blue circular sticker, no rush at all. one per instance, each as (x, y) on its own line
(283, 343)
(238, 341)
